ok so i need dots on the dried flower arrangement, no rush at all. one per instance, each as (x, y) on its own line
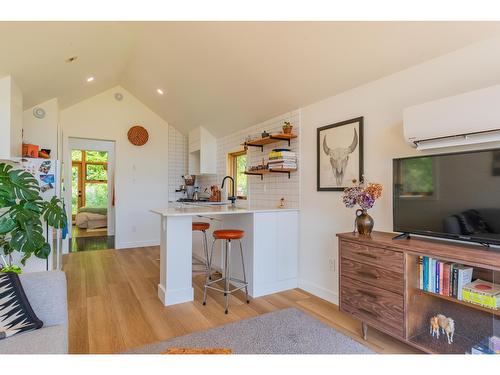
(362, 194)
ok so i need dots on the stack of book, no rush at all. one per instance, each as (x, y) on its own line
(487, 346)
(445, 278)
(281, 159)
(482, 293)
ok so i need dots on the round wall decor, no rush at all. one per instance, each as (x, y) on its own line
(137, 135)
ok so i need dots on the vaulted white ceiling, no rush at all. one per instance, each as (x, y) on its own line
(222, 75)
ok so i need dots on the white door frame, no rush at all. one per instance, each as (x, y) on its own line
(75, 143)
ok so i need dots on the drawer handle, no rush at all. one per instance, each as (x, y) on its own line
(368, 312)
(369, 294)
(368, 274)
(368, 255)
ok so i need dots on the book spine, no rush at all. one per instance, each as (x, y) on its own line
(420, 273)
(432, 275)
(438, 277)
(448, 277)
(441, 278)
(454, 292)
(426, 273)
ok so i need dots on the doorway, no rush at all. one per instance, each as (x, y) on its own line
(92, 200)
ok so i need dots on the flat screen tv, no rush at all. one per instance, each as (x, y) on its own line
(455, 196)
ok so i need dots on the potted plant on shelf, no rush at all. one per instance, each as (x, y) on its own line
(287, 127)
(22, 211)
(363, 195)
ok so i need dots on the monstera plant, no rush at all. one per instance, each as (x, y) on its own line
(22, 212)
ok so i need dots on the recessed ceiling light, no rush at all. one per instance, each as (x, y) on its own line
(71, 59)
(90, 79)
(159, 91)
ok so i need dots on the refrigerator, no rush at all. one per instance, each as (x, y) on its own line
(47, 173)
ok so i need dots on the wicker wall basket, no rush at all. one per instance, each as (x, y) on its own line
(137, 135)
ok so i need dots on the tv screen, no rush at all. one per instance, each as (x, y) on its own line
(451, 195)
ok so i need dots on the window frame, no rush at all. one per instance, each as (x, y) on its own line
(232, 158)
(82, 176)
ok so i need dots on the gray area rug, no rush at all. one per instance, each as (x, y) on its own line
(288, 331)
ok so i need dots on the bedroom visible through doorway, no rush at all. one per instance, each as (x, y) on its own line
(91, 199)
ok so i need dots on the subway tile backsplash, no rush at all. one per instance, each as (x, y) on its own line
(177, 161)
(265, 193)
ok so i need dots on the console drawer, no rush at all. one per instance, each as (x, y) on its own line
(388, 259)
(376, 276)
(376, 307)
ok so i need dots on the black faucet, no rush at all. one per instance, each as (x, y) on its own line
(231, 198)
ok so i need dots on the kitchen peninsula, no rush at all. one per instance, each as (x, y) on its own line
(270, 247)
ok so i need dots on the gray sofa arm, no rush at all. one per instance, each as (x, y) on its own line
(46, 292)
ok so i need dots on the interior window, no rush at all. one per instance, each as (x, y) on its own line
(237, 162)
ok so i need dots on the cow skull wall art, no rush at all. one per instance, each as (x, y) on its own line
(339, 157)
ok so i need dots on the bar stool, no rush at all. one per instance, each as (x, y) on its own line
(227, 235)
(203, 227)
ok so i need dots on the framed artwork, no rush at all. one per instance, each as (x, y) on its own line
(339, 154)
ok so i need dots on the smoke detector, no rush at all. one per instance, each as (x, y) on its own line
(39, 112)
(119, 96)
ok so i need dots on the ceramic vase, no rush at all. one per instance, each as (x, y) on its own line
(364, 222)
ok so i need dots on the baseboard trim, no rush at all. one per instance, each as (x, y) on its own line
(319, 291)
(129, 245)
(173, 297)
(274, 287)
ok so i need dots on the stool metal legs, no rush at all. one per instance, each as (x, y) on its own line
(244, 273)
(206, 260)
(226, 277)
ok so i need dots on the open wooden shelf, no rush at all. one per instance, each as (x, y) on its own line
(262, 172)
(273, 138)
(464, 303)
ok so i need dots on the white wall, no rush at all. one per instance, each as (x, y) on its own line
(43, 132)
(141, 173)
(11, 118)
(381, 103)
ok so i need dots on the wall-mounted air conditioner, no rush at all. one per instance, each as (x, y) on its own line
(464, 119)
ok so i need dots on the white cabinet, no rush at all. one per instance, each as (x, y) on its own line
(11, 119)
(275, 252)
(202, 148)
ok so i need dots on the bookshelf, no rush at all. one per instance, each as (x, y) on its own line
(262, 172)
(377, 263)
(455, 300)
(272, 138)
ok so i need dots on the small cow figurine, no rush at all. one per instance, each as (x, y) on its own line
(447, 325)
(434, 327)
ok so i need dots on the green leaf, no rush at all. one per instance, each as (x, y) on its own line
(24, 184)
(23, 212)
(7, 225)
(54, 213)
(28, 237)
(7, 196)
(43, 252)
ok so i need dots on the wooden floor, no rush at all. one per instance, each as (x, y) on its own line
(113, 305)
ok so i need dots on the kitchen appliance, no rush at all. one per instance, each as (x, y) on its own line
(455, 195)
(46, 172)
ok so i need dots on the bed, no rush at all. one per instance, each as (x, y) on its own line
(92, 217)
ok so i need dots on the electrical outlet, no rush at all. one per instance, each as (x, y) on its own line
(332, 264)
(134, 228)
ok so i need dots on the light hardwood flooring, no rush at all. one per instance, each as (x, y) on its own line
(113, 305)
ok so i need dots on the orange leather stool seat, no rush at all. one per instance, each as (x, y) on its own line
(229, 234)
(198, 225)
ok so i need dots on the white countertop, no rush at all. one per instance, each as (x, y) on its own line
(193, 210)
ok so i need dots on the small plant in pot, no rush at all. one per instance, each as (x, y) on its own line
(287, 127)
(22, 213)
(363, 195)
